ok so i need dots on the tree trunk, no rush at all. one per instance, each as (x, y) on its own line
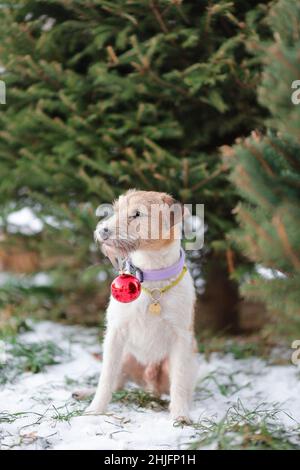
(218, 307)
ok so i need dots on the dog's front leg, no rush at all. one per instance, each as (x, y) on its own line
(183, 369)
(112, 357)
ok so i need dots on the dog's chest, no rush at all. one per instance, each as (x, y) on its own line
(149, 337)
(149, 334)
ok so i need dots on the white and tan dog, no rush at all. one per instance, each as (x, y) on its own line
(156, 351)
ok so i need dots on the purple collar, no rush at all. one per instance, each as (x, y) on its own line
(156, 274)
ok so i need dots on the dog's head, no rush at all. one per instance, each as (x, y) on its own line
(145, 220)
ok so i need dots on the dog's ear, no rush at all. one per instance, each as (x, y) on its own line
(168, 199)
(178, 210)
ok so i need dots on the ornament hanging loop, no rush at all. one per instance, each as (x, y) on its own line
(120, 264)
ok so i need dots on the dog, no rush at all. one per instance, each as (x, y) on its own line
(155, 350)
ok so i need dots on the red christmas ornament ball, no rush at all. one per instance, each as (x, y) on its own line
(125, 288)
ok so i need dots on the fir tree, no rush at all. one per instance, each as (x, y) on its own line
(266, 171)
(107, 95)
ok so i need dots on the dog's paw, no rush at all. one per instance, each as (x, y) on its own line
(180, 415)
(182, 420)
(93, 409)
(82, 394)
(89, 412)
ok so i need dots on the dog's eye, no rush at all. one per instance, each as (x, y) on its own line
(136, 214)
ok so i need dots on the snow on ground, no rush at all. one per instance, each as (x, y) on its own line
(38, 412)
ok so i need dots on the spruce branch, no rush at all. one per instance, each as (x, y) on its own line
(245, 216)
(259, 157)
(155, 9)
(288, 250)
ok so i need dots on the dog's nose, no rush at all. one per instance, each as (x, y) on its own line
(105, 233)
